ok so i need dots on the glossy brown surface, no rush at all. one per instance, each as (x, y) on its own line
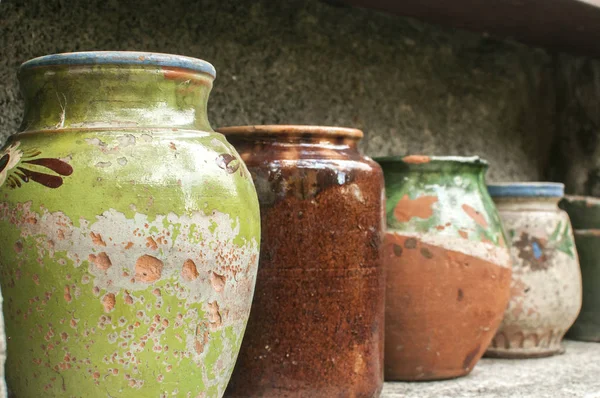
(316, 325)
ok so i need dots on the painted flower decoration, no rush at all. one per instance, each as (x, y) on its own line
(18, 166)
(10, 158)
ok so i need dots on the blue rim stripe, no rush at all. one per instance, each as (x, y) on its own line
(528, 189)
(122, 58)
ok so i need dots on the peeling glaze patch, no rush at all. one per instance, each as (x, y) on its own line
(475, 215)
(485, 251)
(136, 316)
(421, 207)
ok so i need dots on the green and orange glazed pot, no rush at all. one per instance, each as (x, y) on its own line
(129, 231)
(448, 267)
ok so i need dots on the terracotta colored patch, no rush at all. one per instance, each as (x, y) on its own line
(421, 207)
(416, 159)
(475, 215)
(148, 269)
(129, 245)
(102, 261)
(151, 243)
(67, 294)
(468, 288)
(108, 301)
(172, 146)
(463, 234)
(217, 281)
(189, 271)
(97, 239)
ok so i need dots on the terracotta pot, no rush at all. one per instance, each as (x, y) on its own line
(316, 325)
(448, 267)
(584, 211)
(129, 231)
(546, 285)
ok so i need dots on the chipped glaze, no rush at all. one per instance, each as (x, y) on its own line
(316, 325)
(128, 253)
(448, 268)
(546, 281)
(584, 212)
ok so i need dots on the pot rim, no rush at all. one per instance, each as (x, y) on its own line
(121, 58)
(589, 200)
(426, 159)
(527, 189)
(292, 130)
(587, 232)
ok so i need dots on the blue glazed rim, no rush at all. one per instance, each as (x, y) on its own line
(122, 58)
(527, 189)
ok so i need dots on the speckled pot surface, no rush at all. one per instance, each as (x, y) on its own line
(129, 231)
(316, 325)
(546, 285)
(448, 267)
(587, 241)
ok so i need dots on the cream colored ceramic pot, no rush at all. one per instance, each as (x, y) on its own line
(546, 285)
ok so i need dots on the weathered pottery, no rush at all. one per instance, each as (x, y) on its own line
(129, 231)
(585, 214)
(546, 282)
(448, 267)
(316, 325)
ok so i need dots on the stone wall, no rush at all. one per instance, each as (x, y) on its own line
(412, 87)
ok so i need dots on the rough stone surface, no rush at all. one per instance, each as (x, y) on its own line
(574, 374)
(576, 149)
(412, 87)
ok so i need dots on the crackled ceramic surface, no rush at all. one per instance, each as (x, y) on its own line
(448, 267)
(129, 231)
(546, 286)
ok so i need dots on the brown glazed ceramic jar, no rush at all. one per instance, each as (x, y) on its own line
(448, 267)
(317, 320)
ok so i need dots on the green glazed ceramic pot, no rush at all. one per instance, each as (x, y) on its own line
(448, 267)
(129, 231)
(584, 213)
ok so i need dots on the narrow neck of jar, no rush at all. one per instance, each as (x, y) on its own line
(529, 203)
(114, 96)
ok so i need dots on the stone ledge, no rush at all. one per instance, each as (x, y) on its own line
(573, 374)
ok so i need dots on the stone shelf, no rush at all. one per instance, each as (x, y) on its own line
(566, 25)
(573, 374)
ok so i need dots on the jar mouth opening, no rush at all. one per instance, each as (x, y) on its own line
(292, 131)
(121, 58)
(425, 160)
(527, 189)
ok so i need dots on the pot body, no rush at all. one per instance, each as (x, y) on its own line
(448, 268)
(316, 325)
(546, 285)
(129, 232)
(583, 212)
